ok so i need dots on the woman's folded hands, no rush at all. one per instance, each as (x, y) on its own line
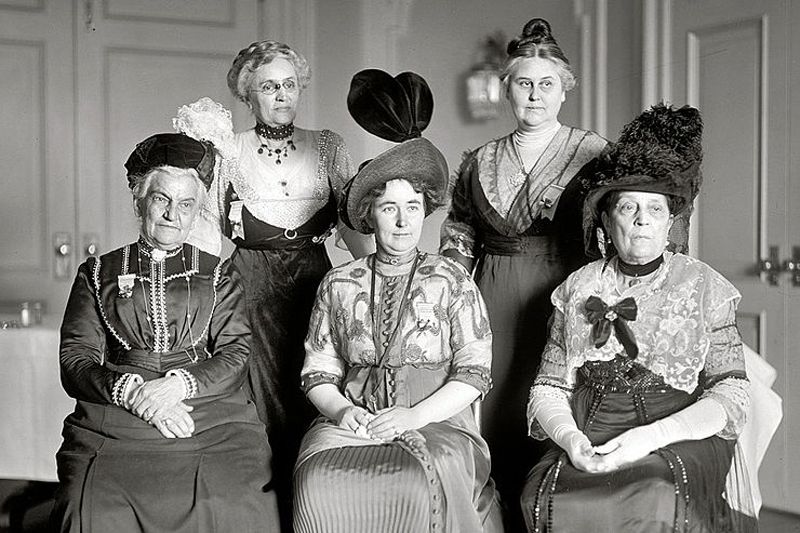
(160, 403)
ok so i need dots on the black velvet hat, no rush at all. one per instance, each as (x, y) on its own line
(396, 109)
(660, 151)
(172, 149)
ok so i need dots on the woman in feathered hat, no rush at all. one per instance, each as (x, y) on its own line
(398, 348)
(154, 348)
(642, 385)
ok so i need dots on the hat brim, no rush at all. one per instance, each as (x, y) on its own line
(639, 183)
(415, 160)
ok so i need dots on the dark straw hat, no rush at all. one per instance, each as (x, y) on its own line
(660, 151)
(171, 149)
(396, 109)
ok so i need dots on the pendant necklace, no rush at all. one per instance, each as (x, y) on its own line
(281, 133)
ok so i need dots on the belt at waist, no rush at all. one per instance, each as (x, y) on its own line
(155, 361)
(504, 245)
(288, 240)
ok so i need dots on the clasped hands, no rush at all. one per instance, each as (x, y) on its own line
(385, 425)
(160, 402)
(618, 452)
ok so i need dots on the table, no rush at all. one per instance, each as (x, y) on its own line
(33, 404)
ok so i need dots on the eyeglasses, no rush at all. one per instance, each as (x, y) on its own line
(271, 87)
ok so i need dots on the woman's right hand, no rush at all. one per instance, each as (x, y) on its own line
(175, 422)
(353, 417)
(582, 455)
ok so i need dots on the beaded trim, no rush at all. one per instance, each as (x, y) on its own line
(158, 306)
(96, 279)
(189, 381)
(122, 386)
(413, 442)
(680, 480)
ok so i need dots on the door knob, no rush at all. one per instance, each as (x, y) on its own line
(62, 242)
(792, 266)
(771, 267)
(90, 244)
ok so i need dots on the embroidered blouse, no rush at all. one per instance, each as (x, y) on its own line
(685, 330)
(443, 325)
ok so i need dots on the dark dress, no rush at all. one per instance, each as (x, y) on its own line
(520, 257)
(279, 218)
(689, 348)
(129, 313)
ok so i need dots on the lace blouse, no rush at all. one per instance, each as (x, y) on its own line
(685, 330)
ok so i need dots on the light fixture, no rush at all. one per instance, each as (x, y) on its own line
(484, 90)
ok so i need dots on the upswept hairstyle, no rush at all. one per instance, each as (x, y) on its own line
(260, 53)
(537, 41)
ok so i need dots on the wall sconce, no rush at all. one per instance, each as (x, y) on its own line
(484, 90)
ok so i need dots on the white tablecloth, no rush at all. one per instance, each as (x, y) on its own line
(33, 404)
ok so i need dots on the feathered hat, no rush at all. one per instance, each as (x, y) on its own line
(660, 151)
(396, 109)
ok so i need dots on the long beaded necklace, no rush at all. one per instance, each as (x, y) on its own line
(281, 133)
(418, 256)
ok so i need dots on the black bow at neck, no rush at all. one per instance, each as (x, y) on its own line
(603, 316)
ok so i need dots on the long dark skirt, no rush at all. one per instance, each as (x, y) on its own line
(517, 293)
(118, 473)
(681, 487)
(280, 287)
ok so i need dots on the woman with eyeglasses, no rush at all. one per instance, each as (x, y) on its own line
(278, 207)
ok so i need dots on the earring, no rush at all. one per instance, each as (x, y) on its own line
(601, 241)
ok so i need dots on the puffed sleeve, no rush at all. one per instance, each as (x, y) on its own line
(470, 337)
(724, 377)
(228, 338)
(458, 229)
(322, 363)
(83, 344)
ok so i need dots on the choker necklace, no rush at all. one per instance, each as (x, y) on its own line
(281, 133)
(638, 271)
(395, 260)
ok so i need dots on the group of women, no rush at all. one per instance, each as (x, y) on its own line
(273, 392)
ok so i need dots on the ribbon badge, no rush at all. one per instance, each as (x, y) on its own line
(125, 283)
(603, 317)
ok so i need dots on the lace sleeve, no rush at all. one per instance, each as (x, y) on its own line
(458, 231)
(724, 377)
(535, 430)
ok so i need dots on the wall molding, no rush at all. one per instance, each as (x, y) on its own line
(591, 16)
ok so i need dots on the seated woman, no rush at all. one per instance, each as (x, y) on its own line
(642, 384)
(398, 348)
(154, 348)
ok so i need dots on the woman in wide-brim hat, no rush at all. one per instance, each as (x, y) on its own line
(642, 385)
(398, 348)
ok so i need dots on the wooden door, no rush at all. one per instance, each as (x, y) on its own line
(734, 59)
(37, 163)
(138, 61)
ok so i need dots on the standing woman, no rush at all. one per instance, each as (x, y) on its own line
(515, 220)
(278, 208)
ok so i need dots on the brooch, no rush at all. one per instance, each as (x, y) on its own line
(125, 283)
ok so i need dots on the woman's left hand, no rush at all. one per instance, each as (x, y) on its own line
(390, 423)
(152, 398)
(625, 449)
